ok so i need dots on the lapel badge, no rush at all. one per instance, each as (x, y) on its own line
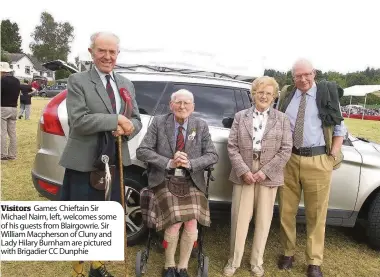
(192, 135)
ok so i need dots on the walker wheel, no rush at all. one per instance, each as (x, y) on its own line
(203, 268)
(139, 264)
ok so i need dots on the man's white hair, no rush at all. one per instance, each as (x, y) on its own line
(301, 61)
(182, 92)
(103, 34)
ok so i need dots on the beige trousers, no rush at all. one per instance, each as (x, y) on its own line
(249, 200)
(312, 175)
(8, 127)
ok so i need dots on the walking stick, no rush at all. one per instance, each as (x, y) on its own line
(122, 194)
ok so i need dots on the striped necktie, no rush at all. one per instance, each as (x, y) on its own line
(110, 92)
(180, 145)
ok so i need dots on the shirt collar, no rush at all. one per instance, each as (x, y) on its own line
(311, 92)
(184, 125)
(103, 75)
(265, 113)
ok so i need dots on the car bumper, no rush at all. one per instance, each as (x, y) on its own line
(47, 174)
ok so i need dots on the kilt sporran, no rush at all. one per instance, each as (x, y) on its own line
(169, 203)
(179, 186)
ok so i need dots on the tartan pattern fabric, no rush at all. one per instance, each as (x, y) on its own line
(161, 209)
(147, 204)
(180, 143)
(111, 93)
(299, 125)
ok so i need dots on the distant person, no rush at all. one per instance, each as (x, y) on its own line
(26, 99)
(36, 85)
(10, 90)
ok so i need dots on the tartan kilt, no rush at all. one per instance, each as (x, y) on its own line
(161, 209)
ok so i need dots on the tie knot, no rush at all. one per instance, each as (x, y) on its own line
(180, 128)
(108, 77)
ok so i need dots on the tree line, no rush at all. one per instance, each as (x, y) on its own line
(369, 76)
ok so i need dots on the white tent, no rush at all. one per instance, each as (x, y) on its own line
(361, 90)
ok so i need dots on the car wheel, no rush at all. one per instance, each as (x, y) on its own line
(136, 230)
(43, 94)
(374, 222)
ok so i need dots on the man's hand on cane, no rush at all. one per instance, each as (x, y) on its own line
(124, 127)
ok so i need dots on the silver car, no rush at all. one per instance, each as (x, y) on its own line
(355, 191)
(51, 91)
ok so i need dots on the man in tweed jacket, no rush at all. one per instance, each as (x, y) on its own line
(179, 143)
(95, 106)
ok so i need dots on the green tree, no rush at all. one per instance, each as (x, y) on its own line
(339, 78)
(356, 78)
(10, 37)
(4, 56)
(51, 39)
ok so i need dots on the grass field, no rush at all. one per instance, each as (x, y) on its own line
(344, 255)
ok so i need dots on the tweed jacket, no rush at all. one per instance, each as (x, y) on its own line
(158, 147)
(90, 112)
(276, 146)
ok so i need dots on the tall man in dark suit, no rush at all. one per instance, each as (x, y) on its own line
(95, 106)
(10, 90)
(177, 148)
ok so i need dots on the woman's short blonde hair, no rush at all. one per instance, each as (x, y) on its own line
(266, 81)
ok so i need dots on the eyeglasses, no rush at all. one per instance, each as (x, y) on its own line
(262, 93)
(185, 103)
(306, 75)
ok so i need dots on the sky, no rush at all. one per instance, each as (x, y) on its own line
(335, 35)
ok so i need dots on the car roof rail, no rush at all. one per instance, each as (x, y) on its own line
(141, 68)
(185, 62)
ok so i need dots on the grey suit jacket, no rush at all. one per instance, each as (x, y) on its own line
(90, 112)
(158, 147)
(276, 146)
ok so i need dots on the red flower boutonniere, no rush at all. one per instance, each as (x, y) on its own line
(126, 96)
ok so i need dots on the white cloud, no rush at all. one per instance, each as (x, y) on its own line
(335, 35)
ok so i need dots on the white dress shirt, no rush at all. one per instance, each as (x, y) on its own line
(259, 122)
(114, 87)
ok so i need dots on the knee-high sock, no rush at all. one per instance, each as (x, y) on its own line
(77, 268)
(170, 244)
(186, 246)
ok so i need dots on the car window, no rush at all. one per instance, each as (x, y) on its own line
(147, 95)
(239, 100)
(212, 103)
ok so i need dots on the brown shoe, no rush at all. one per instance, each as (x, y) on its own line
(314, 271)
(285, 262)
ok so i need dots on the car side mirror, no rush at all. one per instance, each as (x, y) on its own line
(227, 122)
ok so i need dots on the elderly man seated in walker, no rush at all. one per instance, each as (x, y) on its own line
(177, 148)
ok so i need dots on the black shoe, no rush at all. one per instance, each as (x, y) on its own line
(170, 272)
(100, 272)
(20, 116)
(285, 262)
(314, 271)
(183, 273)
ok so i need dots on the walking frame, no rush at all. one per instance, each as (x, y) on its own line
(203, 260)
